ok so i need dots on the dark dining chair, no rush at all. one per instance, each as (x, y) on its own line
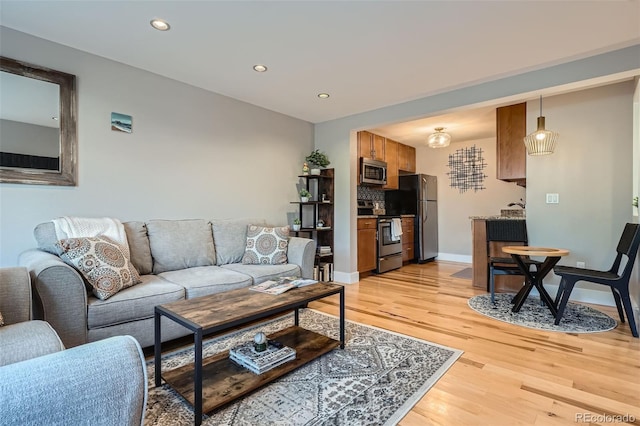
(618, 282)
(509, 231)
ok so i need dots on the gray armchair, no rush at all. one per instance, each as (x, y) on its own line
(100, 383)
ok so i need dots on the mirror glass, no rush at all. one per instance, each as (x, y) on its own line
(37, 125)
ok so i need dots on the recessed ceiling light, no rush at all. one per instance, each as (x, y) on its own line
(323, 95)
(160, 24)
(260, 68)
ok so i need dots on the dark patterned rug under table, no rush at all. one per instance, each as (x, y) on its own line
(577, 318)
(375, 380)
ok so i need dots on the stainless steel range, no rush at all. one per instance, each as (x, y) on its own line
(389, 243)
(388, 236)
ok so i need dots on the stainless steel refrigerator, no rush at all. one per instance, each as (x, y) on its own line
(418, 195)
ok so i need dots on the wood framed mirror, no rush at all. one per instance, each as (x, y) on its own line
(38, 135)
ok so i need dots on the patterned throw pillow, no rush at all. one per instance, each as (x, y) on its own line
(1, 320)
(266, 246)
(101, 263)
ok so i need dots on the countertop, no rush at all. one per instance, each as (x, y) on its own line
(375, 216)
(497, 217)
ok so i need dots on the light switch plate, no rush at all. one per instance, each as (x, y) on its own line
(553, 198)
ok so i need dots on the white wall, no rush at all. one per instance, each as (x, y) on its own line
(591, 170)
(338, 139)
(42, 141)
(192, 153)
(454, 207)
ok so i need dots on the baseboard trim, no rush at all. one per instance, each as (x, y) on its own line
(454, 257)
(346, 277)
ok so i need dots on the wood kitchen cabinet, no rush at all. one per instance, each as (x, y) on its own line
(511, 128)
(408, 241)
(370, 145)
(391, 158)
(367, 229)
(406, 158)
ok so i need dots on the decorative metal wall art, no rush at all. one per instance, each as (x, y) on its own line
(466, 167)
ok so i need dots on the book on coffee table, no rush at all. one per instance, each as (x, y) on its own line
(260, 362)
(282, 284)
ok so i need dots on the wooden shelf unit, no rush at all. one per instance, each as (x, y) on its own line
(315, 210)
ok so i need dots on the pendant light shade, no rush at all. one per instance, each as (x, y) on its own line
(439, 139)
(542, 141)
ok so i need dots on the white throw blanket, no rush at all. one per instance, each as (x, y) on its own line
(396, 228)
(78, 227)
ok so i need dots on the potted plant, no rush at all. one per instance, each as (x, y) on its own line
(317, 160)
(304, 195)
(296, 224)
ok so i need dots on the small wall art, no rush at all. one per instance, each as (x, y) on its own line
(466, 169)
(121, 122)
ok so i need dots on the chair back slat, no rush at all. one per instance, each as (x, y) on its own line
(507, 230)
(630, 235)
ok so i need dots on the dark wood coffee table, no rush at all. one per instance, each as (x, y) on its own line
(215, 381)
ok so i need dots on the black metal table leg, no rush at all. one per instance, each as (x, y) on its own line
(342, 318)
(296, 317)
(197, 337)
(157, 348)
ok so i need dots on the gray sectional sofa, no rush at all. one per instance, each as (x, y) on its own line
(176, 259)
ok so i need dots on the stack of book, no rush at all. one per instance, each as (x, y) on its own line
(259, 362)
(324, 250)
(323, 272)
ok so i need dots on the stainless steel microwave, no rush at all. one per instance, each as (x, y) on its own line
(372, 172)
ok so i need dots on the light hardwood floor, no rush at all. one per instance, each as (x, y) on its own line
(508, 375)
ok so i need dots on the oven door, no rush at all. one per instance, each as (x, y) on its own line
(387, 244)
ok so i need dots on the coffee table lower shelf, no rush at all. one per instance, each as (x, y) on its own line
(224, 381)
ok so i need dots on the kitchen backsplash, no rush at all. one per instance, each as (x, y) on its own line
(368, 193)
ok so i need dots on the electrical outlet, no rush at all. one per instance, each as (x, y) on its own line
(581, 264)
(553, 198)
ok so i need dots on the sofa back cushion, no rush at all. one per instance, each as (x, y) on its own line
(45, 235)
(139, 246)
(180, 244)
(230, 237)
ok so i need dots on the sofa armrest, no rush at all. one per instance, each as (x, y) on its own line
(15, 295)
(26, 340)
(302, 252)
(100, 383)
(61, 295)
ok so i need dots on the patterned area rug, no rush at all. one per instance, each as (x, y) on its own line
(375, 380)
(576, 318)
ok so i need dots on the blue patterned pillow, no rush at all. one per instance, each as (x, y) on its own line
(266, 245)
(101, 263)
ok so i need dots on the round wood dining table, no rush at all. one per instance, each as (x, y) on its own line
(535, 278)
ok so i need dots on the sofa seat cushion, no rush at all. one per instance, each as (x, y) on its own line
(133, 303)
(205, 280)
(261, 273)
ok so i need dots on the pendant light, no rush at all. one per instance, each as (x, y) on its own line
(542, 141)
(439, 139)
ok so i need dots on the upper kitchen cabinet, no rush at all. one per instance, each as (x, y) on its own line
(391, 158)
(370, 146)
(511, 129)
(406, 158)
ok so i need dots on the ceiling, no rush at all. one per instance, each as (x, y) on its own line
(365, 54)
